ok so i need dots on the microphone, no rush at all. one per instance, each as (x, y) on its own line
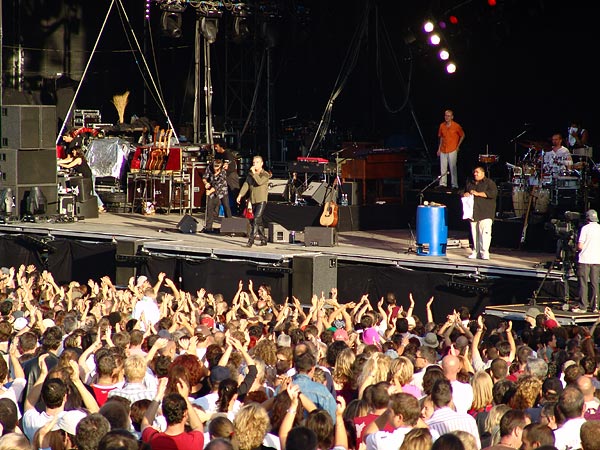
(443, 175)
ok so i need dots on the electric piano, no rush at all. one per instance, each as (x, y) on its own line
(366, 162)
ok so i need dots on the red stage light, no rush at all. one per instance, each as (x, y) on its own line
(491, 2)
(454, 20)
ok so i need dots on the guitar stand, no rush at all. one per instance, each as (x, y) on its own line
(410, 248)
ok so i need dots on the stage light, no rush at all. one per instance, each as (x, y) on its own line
(428, 26)
(147, 12)
(443, 54)
(491, 2)
(450, 67)
(435, 39)
(453, 20)
(170, 24)
(209, 29)
(240, 29)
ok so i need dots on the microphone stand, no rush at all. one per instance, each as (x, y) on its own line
(428, 186)
(514, 141)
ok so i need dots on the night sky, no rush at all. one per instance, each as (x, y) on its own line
(519, 62)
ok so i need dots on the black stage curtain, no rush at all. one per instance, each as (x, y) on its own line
(15, 250)
(356, 280)
(81, 261)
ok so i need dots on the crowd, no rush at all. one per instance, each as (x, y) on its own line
(150, 366)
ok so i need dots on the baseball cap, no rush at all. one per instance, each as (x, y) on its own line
(284, 340)
(550, 323)
(68, 421)
(141, 279)
(208, 321)
(411, 322)
(340, 335)
(6, 270)
(219, 373)
(533, 312)
(552, 385)
(20, 323)
(48, 323)
(371, 336)
(462, 342)
(592, 215)
(430, 340)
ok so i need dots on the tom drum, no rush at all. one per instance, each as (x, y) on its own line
(520, 198)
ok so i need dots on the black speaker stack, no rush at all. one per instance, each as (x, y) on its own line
(28, 175)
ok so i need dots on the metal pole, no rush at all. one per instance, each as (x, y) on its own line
(197, 82)
(269, 104)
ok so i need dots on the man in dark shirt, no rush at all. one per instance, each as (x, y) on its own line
(230, 167)
(484, 192)
(215, 182)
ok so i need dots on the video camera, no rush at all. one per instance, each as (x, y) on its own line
(566, 233)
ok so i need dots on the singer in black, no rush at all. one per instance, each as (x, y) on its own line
(257, 182)
(484, 192)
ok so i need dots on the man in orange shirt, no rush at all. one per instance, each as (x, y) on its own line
(451, 135)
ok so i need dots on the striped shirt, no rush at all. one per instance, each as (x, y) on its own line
(445, 420)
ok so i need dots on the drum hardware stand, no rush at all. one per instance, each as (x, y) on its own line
(413, 240)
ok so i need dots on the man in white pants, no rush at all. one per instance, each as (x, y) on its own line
(484, 192)
(588, 263)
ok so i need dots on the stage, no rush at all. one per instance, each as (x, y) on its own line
(373, 261)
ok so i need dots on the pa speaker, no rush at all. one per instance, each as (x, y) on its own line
(315, 192)
(235, 226)
(312, 275)
(187, 225)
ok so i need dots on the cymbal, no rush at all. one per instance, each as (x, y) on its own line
(536, 145)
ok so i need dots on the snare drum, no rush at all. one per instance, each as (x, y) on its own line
(520, 198)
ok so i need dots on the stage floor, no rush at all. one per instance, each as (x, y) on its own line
(159, 233)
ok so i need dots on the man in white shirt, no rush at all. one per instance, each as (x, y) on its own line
(402, 413)
(147, 307)
(54, 395)
(462, 393)
(588, 267)
(572, 404)
(557, 160)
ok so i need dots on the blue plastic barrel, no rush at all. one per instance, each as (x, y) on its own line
(432, 232)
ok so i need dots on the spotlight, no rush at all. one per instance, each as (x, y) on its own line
(240, 29)
(170, 24)
(444, 55)
(209, 29)
(450, 67)
(428, 26)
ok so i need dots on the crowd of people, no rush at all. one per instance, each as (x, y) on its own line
(150, 366)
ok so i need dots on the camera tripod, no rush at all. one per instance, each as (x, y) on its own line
(565, 257)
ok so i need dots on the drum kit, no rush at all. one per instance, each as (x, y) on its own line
(545, 183)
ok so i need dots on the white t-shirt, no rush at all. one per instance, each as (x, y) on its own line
(147, 306)
(589, 237)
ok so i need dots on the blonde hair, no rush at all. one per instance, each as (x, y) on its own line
(402, 370)
(15, 441)
(529, 390)
(417, 439)
(492, 421)
(378, 365)
(251, 425)
(344, 362)
(482, 384)
(467, 439)
(135, 367)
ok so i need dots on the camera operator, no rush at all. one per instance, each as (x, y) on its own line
(588, 267)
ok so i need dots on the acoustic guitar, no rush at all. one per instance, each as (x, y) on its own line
(157, 153)
(329, 217)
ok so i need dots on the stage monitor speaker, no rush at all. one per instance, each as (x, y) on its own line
(28, 166)
(88, 209)
(29, 126)
(188, 225)
(85, 189)
(235, 226)
(278, 190)
(320, 237)
(351, 190)
(315, 192)
(313, 274)
(278, 234)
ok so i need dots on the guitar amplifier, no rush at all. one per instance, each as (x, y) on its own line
(320, 237)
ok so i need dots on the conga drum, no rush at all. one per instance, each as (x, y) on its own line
(520, 198)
